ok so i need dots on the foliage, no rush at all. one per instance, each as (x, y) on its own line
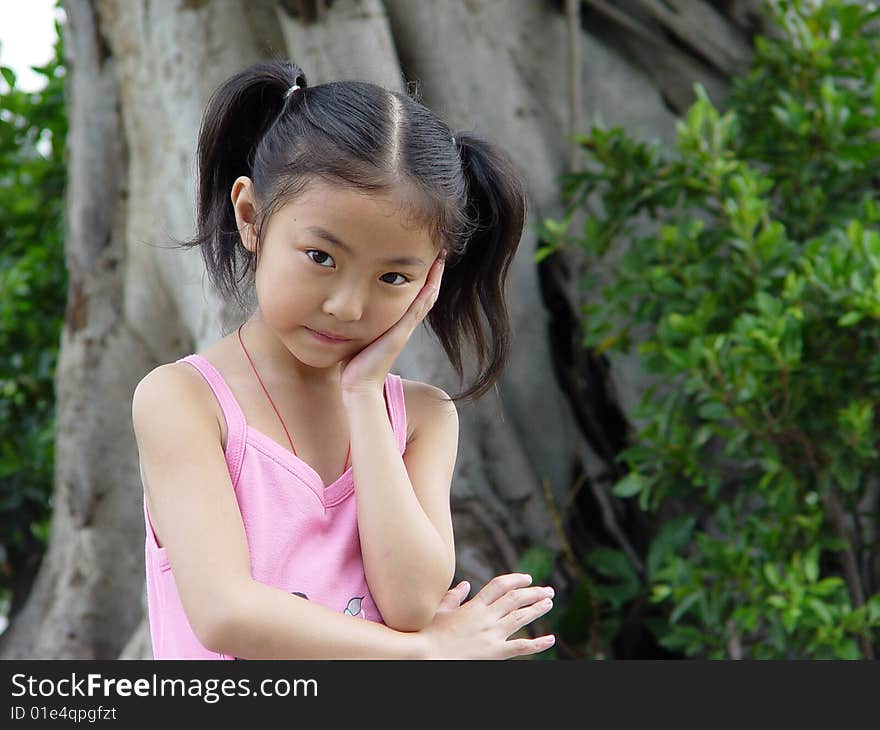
(33, 283)
(749, 286)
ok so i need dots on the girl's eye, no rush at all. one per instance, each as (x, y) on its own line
(320, 253)
(326, 257)
(398, 283)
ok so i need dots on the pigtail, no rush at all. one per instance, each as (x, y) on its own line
(478, 263)
(236, 118)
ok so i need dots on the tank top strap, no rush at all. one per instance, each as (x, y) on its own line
(236, 426)
(397, 408)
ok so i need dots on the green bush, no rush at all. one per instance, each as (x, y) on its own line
(749, 286)
(33, 285)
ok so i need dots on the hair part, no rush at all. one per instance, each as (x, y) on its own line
(466, 193)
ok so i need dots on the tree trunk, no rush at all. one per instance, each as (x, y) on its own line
(139, 76)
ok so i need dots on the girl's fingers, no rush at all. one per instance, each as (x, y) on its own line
(515, 620)
(441, 266)
(501, 584)
(435, 274)
(430, 290)
(522, 647)
(520, 597)
(422, 306)
(454, 596)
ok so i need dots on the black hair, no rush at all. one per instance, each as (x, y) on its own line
(465, 191)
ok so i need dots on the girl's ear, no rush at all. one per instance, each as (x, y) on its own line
(242, 196)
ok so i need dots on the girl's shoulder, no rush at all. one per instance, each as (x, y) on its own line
(423, 402)
(181, 381)
(175, 378)
(171, 393)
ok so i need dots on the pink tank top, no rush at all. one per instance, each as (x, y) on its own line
(302, 537)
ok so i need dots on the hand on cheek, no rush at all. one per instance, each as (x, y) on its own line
(368, 368)
(429, 292)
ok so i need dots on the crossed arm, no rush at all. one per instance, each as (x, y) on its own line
(403, 509)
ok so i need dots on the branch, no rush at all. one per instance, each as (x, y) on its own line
(609, 520)
(572, 17)
(835, 508)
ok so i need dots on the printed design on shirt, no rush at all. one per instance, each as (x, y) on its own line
(354, 608)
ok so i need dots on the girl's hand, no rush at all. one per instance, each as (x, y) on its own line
(479, 628)
(366, 370)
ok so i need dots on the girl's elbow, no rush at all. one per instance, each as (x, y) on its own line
(216, 628)
(409, 620)
(415, 614)
(408, 624)
(214, 634)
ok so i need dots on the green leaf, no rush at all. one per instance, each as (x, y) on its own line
(616, 594)
(8, 75)
(543, 252)
(811, 564)
(537, 561)
(672, 537)
(712, 411)
(771, 574)
(557, 228)
(827, 586)
(849, 650)
(821, 610)
(660, 592)
(629, 486)
(683, 607)
(850, 318)
(577, 615)
(613, 564)
(790, 618)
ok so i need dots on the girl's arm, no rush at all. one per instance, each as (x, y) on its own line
(269, 623)
(403, 511)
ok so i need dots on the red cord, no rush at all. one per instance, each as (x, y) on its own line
(345, 466)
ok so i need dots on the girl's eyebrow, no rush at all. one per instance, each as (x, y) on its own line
(330, 238)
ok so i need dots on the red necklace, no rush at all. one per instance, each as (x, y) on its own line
(345, 466)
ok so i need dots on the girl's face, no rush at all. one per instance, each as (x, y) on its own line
(336, 261)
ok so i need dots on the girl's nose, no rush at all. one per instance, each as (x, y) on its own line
(345, 304)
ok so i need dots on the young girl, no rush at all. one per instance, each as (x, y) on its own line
(360, 214)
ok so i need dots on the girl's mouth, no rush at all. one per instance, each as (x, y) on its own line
(321, 337)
